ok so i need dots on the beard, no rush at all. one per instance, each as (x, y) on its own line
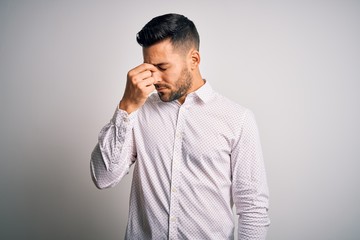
(183, 84)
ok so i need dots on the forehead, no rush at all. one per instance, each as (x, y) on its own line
(160, 52)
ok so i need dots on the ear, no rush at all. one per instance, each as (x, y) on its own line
(194, 59)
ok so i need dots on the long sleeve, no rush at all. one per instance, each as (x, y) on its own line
(115, 151)
(250, 190)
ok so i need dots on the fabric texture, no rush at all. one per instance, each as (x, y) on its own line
(192, 163)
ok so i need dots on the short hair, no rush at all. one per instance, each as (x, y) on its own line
(179, 29)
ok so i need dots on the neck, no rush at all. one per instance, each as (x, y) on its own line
(197, 82)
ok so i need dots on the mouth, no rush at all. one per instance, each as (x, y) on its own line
(160, 87)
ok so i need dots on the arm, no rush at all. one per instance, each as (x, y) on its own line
(115, 152)
(250, 190)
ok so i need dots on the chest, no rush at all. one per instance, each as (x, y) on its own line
(199, 133)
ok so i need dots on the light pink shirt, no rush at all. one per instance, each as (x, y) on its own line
(192, 162)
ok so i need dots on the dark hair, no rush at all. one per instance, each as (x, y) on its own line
(179, 29)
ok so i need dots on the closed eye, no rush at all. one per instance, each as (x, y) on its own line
(161, 68)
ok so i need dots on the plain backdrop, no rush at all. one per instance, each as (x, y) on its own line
(63, 65)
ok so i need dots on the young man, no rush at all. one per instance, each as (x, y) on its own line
(196, 153)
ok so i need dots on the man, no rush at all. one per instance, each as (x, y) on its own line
(196, 153)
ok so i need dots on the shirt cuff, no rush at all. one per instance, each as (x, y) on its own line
(120, 116)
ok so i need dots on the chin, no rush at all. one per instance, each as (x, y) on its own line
(163, 97)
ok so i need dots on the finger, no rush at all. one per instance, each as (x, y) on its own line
(144, 67)
(141, 76)
(146, 86)
(148, 82)
(150, 88)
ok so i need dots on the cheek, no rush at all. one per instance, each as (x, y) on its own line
(169, 76)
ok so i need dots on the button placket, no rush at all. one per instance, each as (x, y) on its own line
(175, 169)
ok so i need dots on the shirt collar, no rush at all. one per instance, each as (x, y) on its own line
(205, 92)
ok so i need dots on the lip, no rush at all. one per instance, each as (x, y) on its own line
(160, 88)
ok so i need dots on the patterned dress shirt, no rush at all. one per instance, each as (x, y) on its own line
(192, 163)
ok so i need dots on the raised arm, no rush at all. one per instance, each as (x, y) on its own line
(115, 151)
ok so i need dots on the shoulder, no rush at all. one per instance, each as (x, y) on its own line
(235, 114)
(228, 106)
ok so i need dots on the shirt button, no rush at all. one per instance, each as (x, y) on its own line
(179, 135)
(175, 161)
(173, 219)
(173, 189)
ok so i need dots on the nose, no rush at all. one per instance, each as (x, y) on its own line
(156, 76)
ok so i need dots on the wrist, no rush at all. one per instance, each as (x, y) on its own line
(129, 108)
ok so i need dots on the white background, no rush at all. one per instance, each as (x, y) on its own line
(295, 64)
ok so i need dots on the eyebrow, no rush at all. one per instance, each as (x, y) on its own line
(160, 64)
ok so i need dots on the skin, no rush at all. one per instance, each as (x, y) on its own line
(173, 72)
